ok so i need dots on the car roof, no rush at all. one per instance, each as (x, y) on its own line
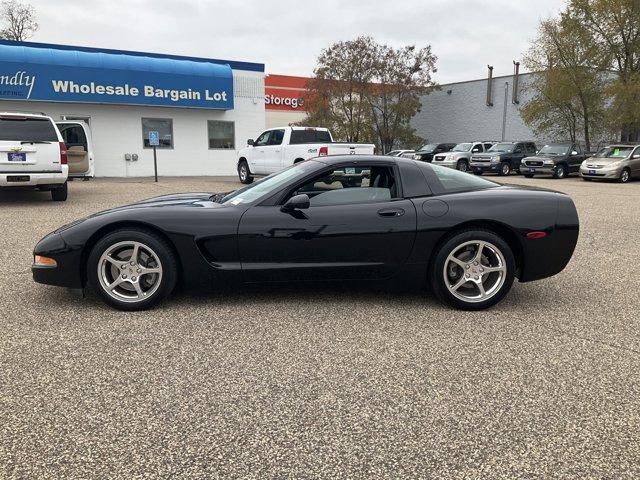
(23, 114)
(336, 159)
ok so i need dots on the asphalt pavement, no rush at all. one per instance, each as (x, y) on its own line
(336, 382)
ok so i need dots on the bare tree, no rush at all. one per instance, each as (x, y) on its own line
(19, 20)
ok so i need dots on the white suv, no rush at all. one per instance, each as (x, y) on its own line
(32, 154)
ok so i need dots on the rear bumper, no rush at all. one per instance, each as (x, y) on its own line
(33, 179)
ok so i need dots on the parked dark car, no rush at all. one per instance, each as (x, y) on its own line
(555, 159)
(332, 218)
(426, 152)
(502, 158)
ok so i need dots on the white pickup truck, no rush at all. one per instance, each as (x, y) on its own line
(278, 148)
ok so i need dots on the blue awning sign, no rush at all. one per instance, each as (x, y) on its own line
(28, 73)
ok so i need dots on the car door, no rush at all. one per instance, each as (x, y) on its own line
(77, 138)
(341, 236)
(273, 152)
(575, 160)
(517, 155)
(635, 162)
(256, 153)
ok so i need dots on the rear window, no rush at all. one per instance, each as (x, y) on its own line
(27, 130)
(309, 136)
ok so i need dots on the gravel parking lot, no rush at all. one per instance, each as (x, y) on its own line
(337, 383)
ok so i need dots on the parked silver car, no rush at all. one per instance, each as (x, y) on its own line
(615, 162)
(460, 156)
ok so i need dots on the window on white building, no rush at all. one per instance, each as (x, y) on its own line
(221, 134)
(164, 127)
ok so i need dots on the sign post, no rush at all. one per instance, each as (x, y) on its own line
(154, 141)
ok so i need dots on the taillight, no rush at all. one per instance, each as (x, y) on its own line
(63, 154)
(323, 151)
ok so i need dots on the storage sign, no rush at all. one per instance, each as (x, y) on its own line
(143, 81)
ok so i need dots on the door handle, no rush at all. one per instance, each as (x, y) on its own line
(391, 212)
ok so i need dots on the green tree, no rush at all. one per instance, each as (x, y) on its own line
(569, 89)
(614, 29)
(364, 91)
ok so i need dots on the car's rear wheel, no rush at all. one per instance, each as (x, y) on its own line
(625, 176)
(473, 270)
(560, 171)
(505, 168)
(463, 166)
(132, 269)
(59, 194)
(244, 174)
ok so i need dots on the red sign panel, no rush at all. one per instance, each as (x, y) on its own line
(284, 92)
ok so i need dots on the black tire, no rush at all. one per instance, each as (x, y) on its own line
(159, 246)
(437, 272)
(505, 169)
(560, 171)
(462, 165)
(244, 174)
(528, 175)
(59, 194)
(625, 176)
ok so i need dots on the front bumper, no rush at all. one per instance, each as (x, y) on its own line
(535, 170)
(36, 179)
(485, 167)
(67, 272)
(606, 173)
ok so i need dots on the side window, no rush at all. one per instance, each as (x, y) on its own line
(487, 146)
(276, 137)
(531, 149)
(347, 185)
(73, 136)
(263, 139)
(576, 148)
(477, 148)
(518, 148)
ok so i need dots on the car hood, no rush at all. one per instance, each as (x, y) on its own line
(603, 161)
(547, 157)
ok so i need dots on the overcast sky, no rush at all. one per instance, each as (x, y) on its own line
(287, 37)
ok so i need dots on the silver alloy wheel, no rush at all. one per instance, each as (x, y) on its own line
(130, 271)
(462, 166)
(475, 271)
(624, 176)
(560, 171)
(243, 172)
(506, 169)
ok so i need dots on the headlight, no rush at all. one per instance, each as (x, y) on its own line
(548, 162)
(495, 159)
(449, 157)
(584, 163)
(417, 157)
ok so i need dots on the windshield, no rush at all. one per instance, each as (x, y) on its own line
(614, 152)
(429, 147)
(462, 147)
(268, 185)
(554, 150)
(501, 147)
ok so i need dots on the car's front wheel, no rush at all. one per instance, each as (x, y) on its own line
(472, 270)
(560, 171)
(132, 269)
(625, 176)
(244, 174)
(463, 166)
(505, 168)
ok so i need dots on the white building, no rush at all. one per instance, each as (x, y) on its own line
(203, 109)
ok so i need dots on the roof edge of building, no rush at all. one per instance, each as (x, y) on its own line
(235, 65)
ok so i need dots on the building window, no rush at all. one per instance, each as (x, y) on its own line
(221, 134)
(164, 127)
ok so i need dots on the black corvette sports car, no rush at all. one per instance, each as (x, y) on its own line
(327, 219)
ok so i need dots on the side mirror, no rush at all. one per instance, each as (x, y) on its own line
(297, 202)
(475, 150)
(636, 155)
(574, 153)
(250, 142)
